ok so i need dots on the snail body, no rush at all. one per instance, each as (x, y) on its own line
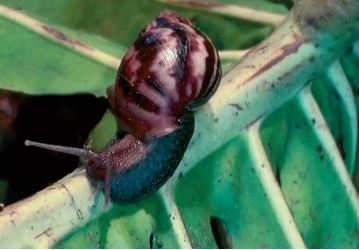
(130, 168)
(171, 69)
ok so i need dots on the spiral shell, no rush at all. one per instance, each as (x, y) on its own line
(171, 68)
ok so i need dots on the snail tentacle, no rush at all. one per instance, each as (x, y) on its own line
(80, 152)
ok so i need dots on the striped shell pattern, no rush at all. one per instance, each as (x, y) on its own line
(171, 68)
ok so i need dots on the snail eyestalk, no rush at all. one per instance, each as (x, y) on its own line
(80, 152)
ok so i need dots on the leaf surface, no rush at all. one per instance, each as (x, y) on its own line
(275, 182)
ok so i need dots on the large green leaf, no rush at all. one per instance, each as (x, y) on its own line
(46, 66)
(254, 176)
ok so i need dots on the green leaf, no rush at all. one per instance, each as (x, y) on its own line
(309, 179)
(45, 66)
(115, 19)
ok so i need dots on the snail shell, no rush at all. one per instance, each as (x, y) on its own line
(170, 68)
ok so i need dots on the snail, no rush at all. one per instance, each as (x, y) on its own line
(170, 71)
